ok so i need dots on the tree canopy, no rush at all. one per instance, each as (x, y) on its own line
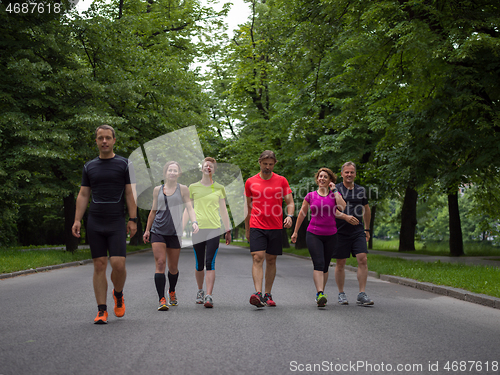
(405, 89)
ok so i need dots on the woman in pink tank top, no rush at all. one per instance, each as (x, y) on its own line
(321, 233)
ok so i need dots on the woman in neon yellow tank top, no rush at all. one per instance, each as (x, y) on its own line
(209, 202)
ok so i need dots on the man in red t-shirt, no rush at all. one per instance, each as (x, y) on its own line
(264, 223)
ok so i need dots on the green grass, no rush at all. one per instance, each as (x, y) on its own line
(242, 243)
(15, 259)
(477, 279)
(477, 249)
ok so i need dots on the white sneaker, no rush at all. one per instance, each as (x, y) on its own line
(200, 297)
(208, 301)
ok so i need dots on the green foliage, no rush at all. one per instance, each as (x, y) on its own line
(404, 89)
(477, 279)
(407, 90)
(128, 67)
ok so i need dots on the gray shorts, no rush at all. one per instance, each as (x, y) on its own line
(350, 245)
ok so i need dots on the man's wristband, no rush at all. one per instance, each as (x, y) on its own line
(367, 230)
(194, 222)
(134, 219)
(290, 216)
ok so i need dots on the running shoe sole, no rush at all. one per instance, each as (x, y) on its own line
(321, 301)
(371, 303)
(163, 308)
(255, 300)
(208, 304)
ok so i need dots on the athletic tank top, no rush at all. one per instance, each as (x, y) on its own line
(168, 219)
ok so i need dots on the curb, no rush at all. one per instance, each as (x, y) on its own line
(58, 266)
(461, 294)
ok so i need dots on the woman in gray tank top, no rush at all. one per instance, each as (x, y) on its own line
(164, 230)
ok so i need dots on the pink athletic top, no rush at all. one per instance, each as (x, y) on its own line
(322, 214)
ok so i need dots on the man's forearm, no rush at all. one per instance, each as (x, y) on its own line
(81, 206)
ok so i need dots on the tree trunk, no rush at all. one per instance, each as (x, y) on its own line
(408, 220)
(301, 234)
(69, 219)
(456, 240)
(372, 220)
(120, 9)
(284, 237)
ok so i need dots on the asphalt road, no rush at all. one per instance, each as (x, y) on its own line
(46, 326)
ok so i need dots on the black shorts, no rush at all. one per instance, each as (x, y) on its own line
(172, 242)
(350, 245)
(268, 240)
(107, 234)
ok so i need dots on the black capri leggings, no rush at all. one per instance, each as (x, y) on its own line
(321, 249)
(206, 239)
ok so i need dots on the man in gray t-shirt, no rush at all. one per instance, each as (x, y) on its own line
(353, 233)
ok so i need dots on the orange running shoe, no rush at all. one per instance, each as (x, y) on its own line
(119, 305)
(101, 318)
(172, 298)
(163, 305)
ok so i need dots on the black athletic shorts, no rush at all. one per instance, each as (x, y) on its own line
(350, 245)
(107, 235)
(172, 242)
(268, 240)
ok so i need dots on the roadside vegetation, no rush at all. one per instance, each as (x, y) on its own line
(477, 279)
(17, 259)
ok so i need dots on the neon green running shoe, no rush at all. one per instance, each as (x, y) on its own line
(321, 299)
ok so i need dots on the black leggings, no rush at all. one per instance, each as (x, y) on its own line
(321, 249)
(206, 239)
